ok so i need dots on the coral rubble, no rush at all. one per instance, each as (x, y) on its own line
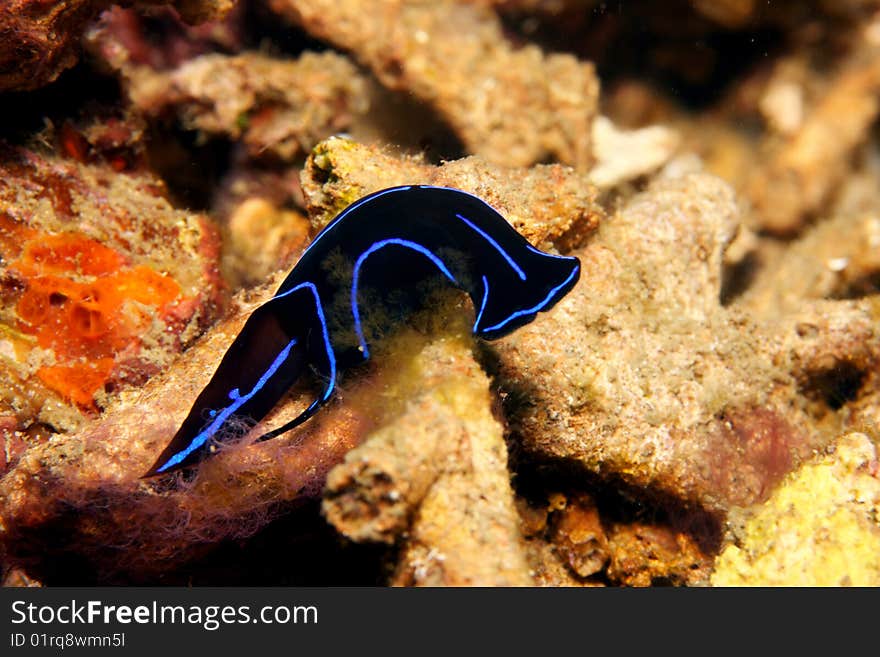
(512, 106)
(275, 108)
(436, 475)
(703, 408)
(803, 168)
(547, 204)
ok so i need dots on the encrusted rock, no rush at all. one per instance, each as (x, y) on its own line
(547, 204)
(38, 39)
(820, 528)
(437, 475)
(654, 381)
(103, 283)
(640, 372)
(275, 107)
(515, 107)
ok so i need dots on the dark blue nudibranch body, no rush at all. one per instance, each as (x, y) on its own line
(320, 317)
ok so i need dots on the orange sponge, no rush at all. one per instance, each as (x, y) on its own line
(80, 382)
(80, 302)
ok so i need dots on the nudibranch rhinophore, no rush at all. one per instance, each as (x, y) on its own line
(319, 318)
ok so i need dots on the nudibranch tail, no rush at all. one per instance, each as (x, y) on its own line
(499, 314)
(397, 238)
(266, 358)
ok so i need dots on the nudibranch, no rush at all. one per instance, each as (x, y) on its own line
(377, 249)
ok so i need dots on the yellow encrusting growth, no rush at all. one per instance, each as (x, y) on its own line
(433, 476)
(820, 528)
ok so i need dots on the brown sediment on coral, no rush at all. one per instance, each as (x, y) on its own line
(645, 554)
(39, 40)
(514, 107)
(103, 283)
(578, 537)
(275, 107)
(604, 537)
(546, 203)
(436, 478)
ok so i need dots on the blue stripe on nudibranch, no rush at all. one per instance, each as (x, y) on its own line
(508, 280)
(325, 337)
(357, 272)
(534, 310)
(222, 416)
(328, 229)
(496, 246)
(482, 304)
